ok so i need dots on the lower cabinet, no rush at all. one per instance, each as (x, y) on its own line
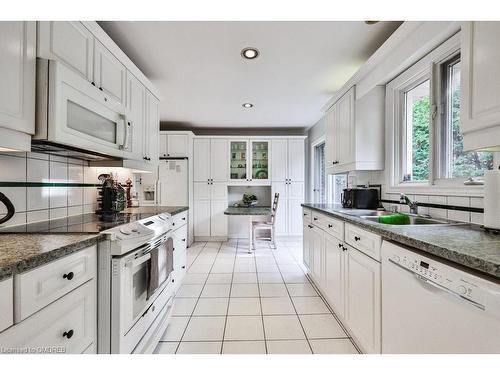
(363, 299)
(179, 236)
(349, 279)
(6, 303)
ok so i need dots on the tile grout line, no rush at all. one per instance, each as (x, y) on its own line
(293, 304)
(229, 297)
(260, 299)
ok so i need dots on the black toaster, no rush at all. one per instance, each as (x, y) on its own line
(366, 198)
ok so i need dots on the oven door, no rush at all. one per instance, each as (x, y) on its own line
(81, 116)
(130, 283)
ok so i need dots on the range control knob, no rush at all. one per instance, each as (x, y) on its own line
(462, 289)
(396, 258)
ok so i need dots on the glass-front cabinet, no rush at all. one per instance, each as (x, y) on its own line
(249, 161)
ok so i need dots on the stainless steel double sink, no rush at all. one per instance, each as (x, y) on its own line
(373, 215)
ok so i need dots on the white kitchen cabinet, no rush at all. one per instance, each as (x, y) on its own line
(317, 248)
(363, 299)
(288, 165)
(151, 130)
(174, 145)
(306, 246)
(201, 155)
(69, 42)
(201, 218)
(218, 221)
(109, 73)
(136, 95)
(68, 324)
(355, 132)
(480, 84)
(249, 161)
(17, 92)
(6, 303)
(334, 273)
(219, 166)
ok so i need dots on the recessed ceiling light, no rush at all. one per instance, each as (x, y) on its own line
(247, 105)
(250, 53)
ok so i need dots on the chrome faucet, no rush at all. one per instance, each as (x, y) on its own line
(403, 199)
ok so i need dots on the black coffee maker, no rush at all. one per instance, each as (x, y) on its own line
(111, 195)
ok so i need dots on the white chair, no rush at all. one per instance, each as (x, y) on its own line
(266, 225)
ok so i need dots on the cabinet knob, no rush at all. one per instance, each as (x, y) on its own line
(183, 218)
(168, 154)
(315, 218)
(173, 280)
(310, 226)
(183, 240)
(105, 99)
(68, 276)
(344, 248)
(356, 238)
(92, 83)
(68, 334)
(183, 267)
(100, 88)
(340, 245)
(330, 226)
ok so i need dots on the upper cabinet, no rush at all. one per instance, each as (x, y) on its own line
(136, 117)
(17, 91)
(151, 133)
(210, 160)
(174, 145)
(249, 161)
(69, 42)
(355, 132)
(480, 84)
(109, 73)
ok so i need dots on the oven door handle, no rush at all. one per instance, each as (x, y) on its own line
(136, 262)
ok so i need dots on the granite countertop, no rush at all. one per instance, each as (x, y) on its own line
(254, 210)
(22, 252)
(465, 244)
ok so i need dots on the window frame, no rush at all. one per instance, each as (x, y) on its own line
(429, 66)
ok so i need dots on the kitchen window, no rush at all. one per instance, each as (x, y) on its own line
(455, 163)
(423, 106)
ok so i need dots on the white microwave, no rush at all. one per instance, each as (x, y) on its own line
(74, 118)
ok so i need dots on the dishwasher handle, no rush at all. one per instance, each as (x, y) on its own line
(440, 287)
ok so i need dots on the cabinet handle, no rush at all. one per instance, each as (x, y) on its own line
(183, 240)
(68, 334)
(304, 214)
(310, 226)
(356, 238)
(183, 218)
(315, 218)
(173, 280)
(92, 83)
(173, 224)
(340, 245)
(330, 226)
(105, 99)
(344, 248)
(100, 88)
(183, 267)
(68, 276)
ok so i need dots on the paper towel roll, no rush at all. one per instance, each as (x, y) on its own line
(492, 199)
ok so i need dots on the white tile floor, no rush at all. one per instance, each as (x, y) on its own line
(232, 302)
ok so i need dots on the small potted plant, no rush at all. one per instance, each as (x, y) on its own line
(249, 200)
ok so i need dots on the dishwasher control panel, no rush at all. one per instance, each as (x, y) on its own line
(438, 275)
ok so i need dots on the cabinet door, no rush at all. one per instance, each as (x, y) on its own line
(218, 223)
(294, 216)
(201, 218)
(153, 126)
(163, 145)
(363, 299)
(331, 150)
(296, 160)
(306, 250)
(202, 190)
(480, 80)
(218, 160)
(6, 303)
(218, 191)
(334, 273)
(260, 161)
(346, 128)
(177, 145)
(109, 73)
(318, 255)
(201, 162)
(135, 117)
(69, 42)
(17, 74)
(239, 159)
(279, 154)
(281, 224)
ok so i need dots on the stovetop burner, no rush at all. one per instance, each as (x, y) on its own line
(86, 223)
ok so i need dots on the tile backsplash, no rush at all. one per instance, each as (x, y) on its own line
(44, 187)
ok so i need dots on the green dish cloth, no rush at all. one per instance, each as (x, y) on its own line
(394, 219)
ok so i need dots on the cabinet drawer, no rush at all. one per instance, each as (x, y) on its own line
(334, 227)
(366, 242)
(6, 304)
(179, 220)
(37, 288)
(306, 215)
(66, 326)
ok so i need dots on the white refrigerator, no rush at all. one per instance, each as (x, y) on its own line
(173, 182)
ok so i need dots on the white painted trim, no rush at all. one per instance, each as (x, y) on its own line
(321, 139)
(243, 137)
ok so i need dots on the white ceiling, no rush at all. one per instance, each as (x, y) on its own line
(204, 81)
